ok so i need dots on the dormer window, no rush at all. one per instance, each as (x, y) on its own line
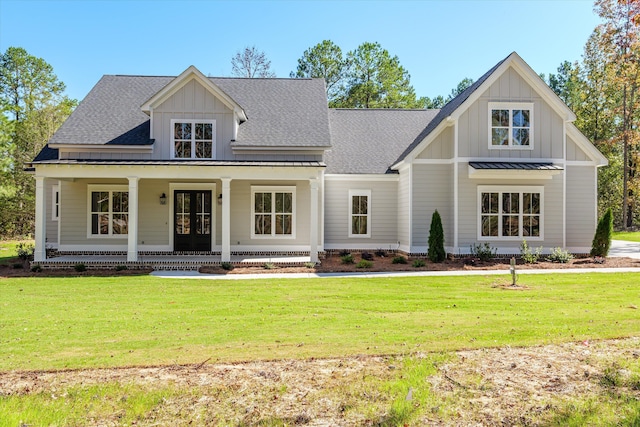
(193, 139)
(510, 125)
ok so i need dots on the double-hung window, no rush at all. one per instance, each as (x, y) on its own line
(510, 125)
(273, 212)
(510, 213)
(359, 213)
(193, 139)
(108, 211)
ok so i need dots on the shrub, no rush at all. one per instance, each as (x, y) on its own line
(344, 253)
(346, 259)
(17, 265)
(121, 267)
(559, 255)
(399, 260)
(419, 263)
(364, 264)
(380, 253)
(527, 255)
(602, 239)
(269, 266)
(310, 264)
(436, 251)
(483, 251)
(366, 256)
(80, 267)
(25, 251)
(36, 268)
(226, 266)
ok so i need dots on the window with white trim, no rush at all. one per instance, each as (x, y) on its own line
(510, 213)
(193, 139)
(55, 203)
(273, 211)
(510, 125)
(359, 213)
(108, 211)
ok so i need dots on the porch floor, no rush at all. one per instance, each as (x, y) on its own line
(169, 262)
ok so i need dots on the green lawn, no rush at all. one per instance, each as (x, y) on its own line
(9, 250)
(50, 323)
(630, 236)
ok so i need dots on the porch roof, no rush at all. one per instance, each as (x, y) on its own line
(535, 166)
(234, 163)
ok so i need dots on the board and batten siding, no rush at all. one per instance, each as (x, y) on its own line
(192, 101)
(468, 211)
(441, 147)
(581, 206)
(473, 124)
(432, 189)
(575, 153)
(383, 215)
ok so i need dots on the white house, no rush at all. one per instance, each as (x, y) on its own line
(223, 166)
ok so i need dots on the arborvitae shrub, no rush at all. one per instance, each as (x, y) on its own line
(602, 239)
(436, 251)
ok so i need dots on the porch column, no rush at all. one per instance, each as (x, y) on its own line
(132, 239)
(313, 238)
(226, 220)
(40, 253)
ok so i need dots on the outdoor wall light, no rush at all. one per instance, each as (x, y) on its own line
(163, 199)
(220, 198)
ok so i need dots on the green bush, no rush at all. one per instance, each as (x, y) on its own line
(559, 255)
(436, 251)
(310, 264)
(527, 255)
(17, 265)
(226, 266)
(419, 263)
(121, 267)
(347, 259)
(25, 251)
(269, 266)
(483, 251)
(364, 264)
(36, 268)
(602, 239)
(399, 260)
(80, 267)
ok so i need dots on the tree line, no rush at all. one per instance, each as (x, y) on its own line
(602, 89)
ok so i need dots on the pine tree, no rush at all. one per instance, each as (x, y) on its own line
(436, 251)
(602, 238)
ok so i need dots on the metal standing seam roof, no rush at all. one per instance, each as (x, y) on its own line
(514, 166)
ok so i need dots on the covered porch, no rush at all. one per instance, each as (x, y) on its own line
(149, 231)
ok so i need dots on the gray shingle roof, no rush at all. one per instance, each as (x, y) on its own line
(281, 112)
(368, 141)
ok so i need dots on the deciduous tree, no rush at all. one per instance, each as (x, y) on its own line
(252, 63)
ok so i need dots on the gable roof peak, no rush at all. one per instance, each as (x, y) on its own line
(186, 76)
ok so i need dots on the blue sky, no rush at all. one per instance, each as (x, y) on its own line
(438, 42)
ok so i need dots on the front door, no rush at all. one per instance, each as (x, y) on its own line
(192, 220)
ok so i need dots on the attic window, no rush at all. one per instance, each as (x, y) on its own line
(510, 125)
(193, 139)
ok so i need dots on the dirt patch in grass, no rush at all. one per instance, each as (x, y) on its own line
(503, 386)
